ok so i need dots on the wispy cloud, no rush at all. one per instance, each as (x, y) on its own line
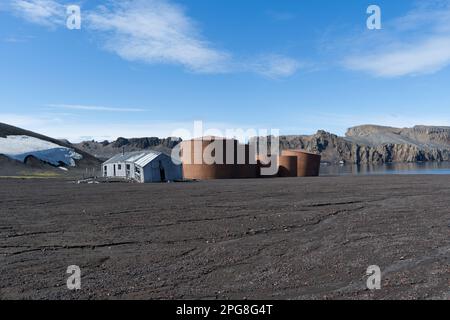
(93, 108)
(414, 44)
(43, 12)
(156, 31)
(17, 39)
(26, 121)
(274, 66)
(425, 57)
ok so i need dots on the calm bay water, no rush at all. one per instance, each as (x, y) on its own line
(391, 168)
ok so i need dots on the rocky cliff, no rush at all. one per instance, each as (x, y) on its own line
(376, 144)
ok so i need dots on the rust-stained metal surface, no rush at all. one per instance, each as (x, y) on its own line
(308, 164)
(227, 164)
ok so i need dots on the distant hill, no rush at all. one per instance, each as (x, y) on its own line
(420, 136)
(371, 144)
(105, 150)
(23, 152)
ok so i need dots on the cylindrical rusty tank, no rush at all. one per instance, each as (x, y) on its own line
(228, 159)
(308, 164)
(246, 165)
(287, 166)
(264, 162)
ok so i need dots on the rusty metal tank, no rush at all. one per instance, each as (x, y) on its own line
(246, 165)
(308, 164)
(287, 166)
(264, 162)
(227, 164)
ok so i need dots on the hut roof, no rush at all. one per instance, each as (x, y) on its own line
(140, 158)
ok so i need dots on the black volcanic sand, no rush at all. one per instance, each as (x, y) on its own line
(310, 238)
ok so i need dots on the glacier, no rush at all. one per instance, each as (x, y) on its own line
(20, 147)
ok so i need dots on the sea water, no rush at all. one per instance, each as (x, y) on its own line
(390, 168)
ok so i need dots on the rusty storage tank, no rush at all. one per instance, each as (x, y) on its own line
(264, 162)
(308, 164)
(246, 165)
(226, 166)
(287, 166)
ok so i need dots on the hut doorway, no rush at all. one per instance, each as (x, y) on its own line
(162, 172)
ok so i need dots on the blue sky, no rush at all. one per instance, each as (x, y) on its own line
(146, 68)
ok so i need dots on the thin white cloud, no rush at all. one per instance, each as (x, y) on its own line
(427, 57)
(26, 121)
(43, 12)
(17, 39)
(94, 108)
(274, 66)
(415, 44)
(156, 31)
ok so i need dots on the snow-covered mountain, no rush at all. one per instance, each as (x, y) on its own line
(22, 150)
(20, 147)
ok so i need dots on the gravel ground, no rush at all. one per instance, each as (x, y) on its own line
(306, 238)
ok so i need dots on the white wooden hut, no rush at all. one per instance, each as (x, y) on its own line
(143, 166)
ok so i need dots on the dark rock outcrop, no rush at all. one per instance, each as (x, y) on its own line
(105, 149)
(376, 145)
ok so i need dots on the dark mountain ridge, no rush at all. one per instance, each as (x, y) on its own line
(370, 144)
(104, 150)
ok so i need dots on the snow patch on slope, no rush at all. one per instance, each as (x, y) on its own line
(20, 147)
